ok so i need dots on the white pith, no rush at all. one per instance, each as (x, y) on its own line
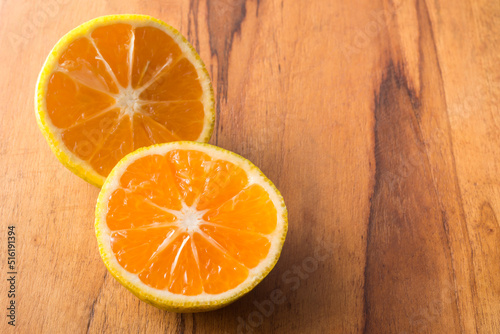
(190, 218)
(128, 101)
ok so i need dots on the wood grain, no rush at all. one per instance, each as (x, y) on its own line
(377, 120)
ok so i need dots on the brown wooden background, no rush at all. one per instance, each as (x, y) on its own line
(377, 119)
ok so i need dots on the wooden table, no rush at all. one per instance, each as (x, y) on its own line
(378, 121)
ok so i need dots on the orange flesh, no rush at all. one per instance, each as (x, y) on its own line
(188, 223)
(122, 88)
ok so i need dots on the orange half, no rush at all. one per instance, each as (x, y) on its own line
(119, 83)
(188, 226)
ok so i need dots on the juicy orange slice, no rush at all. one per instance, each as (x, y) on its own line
(118, 83)
(188, 226)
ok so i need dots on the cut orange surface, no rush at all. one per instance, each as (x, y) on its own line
(119, 83)
(188, 226)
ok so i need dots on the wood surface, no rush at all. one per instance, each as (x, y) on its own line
(377, 119)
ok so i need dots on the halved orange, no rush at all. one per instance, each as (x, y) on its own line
(118, 83)
(188, 226)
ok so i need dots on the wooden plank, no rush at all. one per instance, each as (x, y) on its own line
(377, 120)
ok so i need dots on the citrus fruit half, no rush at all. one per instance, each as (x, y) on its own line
(188, 226)
(118, 83)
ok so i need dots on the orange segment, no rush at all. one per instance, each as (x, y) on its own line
(129, 210)
(148, 132)
(133, 246)
(143, 136)
(82, 62)
(118, 143)
(245, 247)
(185, 276)
(183, 118)
(84, 138)
(157, 272)
(218, 270)
(190, 169)
(223, 181)
(114, 43)
(251, 210)
(178, 83)
(123, 63)
(151, 177)
(154, 50)
(69, 102)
